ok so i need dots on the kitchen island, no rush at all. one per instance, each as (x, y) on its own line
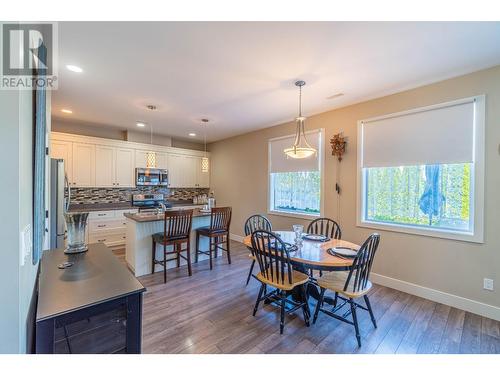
(141, 227)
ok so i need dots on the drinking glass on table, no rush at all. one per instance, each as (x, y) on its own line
(298, 229)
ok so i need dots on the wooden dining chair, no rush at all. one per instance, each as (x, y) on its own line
(326, 227)
(176, 231)
(217, 233)
(276, 271)
(253, 223)
(350, 285)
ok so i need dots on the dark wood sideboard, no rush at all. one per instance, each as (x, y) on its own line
(94, 306)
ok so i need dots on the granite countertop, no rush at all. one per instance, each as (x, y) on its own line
(146, 217)
(86, 207)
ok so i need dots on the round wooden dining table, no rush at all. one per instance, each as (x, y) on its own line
(313, 254)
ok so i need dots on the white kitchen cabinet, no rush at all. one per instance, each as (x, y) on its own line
(83, 161)
(175, 166)
(63, 150)
(124, 170)
(161, 160)
(105, 166)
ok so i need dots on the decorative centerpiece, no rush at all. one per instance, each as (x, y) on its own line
(76, 226)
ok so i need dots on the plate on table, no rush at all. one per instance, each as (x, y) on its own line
(315, 237)
(342, 251)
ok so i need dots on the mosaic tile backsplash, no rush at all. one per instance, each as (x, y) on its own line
(117, 195)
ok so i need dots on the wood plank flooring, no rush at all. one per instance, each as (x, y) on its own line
(211, 312)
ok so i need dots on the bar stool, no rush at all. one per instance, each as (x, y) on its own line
(176, 231)
(217, 233)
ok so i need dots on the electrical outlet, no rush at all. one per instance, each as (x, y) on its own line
(488, 284)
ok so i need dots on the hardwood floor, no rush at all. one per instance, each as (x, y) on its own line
(211, 312)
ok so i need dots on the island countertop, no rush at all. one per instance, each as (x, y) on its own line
(146, 217)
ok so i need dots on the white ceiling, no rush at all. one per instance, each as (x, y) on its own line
(240, 74)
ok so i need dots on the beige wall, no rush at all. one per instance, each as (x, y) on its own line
(239, 179)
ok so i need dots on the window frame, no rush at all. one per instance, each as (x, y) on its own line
(477, 185)
(270, 195)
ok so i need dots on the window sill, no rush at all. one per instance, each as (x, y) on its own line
(428, 232)
(293, 215)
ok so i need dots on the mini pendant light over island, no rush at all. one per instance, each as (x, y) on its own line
(204, 160)
(300, 148)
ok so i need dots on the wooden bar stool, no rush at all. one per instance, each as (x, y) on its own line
(217, 233)
(176, 231)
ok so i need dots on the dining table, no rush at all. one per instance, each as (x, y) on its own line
(314, 255)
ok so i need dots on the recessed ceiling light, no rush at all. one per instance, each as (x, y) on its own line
(335, 95)
(74, 68)
(140, 124)
(192, 134)
(66, 111)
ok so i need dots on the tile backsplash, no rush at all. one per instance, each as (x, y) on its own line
(117, 195)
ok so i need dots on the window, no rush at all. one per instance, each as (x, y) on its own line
(421, 171)
(295, 184)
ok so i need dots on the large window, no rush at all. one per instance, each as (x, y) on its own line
(421, 171)
(295, 184)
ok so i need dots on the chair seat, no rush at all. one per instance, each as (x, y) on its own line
(207, 230)
(251, 256)
(160, 238)
(298, 278)
(335, 281)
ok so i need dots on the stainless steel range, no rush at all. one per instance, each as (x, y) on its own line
(149, 202)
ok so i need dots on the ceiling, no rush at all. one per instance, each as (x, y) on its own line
(240, 75)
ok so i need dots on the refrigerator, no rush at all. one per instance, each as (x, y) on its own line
(60, 194)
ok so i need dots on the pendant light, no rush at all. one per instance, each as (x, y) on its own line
(204, 160)
(151, 155)
(300, 148)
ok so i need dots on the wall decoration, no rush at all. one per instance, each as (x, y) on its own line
(338, 143)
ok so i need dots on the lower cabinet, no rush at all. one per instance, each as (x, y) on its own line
(108, 227)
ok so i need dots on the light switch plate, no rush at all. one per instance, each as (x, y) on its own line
(26, 244)
(488, 284)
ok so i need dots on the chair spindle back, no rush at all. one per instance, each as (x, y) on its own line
(220, 219)
(177, 223)
(325, 226)
(362, 264)
(273, 256)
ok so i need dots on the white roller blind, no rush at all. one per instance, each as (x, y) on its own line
(278, 161)
(435, 135)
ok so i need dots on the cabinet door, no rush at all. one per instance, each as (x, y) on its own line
(202, 178)
(175, 166)
(140, 158)
(83, 165)
(104, 166)
(63, 150)
(125, 162)
(161, 160)
(191, 169)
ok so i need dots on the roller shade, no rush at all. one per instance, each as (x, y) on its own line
(436, 135)
(278, 161)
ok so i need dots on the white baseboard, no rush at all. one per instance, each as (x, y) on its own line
(458, 302)
(236, 238)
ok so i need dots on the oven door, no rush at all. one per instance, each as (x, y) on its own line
(147, 177)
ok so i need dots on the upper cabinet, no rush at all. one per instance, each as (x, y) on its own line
(83, 165)
(97, 162)
(63, 150)
(125, 171)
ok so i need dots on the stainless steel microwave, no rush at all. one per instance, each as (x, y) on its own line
(151, 177)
